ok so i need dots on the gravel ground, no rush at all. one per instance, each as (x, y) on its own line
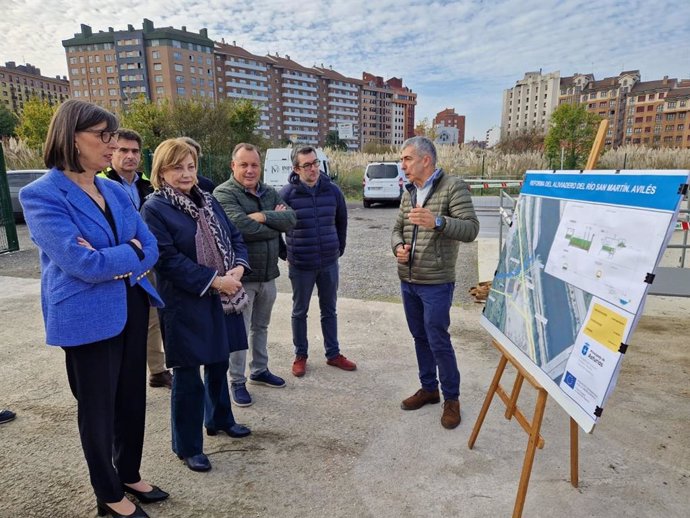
(367, 269)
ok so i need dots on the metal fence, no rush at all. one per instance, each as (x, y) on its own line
(8, 231)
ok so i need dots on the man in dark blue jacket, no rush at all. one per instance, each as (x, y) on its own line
(313, 247)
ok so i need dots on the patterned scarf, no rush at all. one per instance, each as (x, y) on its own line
(213, 245)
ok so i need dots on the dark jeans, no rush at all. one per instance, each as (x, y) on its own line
(108, 379)
(427, 309)
(196, 403)
(326, 281)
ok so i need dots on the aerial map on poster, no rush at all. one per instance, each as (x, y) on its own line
(573, 274)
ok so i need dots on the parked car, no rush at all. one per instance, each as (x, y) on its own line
(18, 179)
(383, 182)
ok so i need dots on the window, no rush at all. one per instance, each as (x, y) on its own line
(181, 90)
(160, 90)
(670, 116)
(157, 66)
(672, 104)
(178, 67)
(639, 109)
(179, 79)
(640, 98)
(639, 119)
(680, 127)
(158, 78)
(651, 97)
(650, 108)
(177, 56)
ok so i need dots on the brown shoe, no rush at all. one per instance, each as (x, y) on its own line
(161, 379)
(451, 414)
(299, 366)
(419, 399)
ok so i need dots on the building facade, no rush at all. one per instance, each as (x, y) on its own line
(19, 83)
(449, 119)
(115, 67)
(387, 110)
(529, 104)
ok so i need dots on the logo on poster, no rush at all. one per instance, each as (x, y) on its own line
(569, 379)
(585, 349)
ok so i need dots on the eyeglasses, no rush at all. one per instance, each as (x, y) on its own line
(106, 136)
(309, 165)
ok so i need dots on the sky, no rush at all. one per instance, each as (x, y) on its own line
(458, 54)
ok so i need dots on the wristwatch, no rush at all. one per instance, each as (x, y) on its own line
(439, 222)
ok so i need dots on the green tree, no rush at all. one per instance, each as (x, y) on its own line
(425, 128)
(334, 141)
(34, 121)
(150, 120)
(572, 129)
(8, 122)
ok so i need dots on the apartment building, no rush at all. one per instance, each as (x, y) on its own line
(529, 104)
(387, 110)
(646, 122)
(19, 83)
(111, 68)
(608, 99)
(449, 119)
(676, 117)
(343, 99)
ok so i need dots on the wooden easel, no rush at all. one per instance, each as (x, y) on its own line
(532, 428)
(510, 400)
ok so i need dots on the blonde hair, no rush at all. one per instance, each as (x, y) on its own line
(168, 154)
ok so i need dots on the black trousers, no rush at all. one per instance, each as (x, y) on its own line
(108, 380)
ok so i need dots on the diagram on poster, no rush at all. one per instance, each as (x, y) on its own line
(573, 274)
(601, 249)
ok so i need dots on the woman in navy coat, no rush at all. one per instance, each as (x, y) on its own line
(95, 252)
(202, 259)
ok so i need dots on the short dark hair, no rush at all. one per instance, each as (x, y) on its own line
(71, 117)
(130, 134)
(302, 150)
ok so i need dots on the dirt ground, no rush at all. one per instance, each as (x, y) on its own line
(336, 443)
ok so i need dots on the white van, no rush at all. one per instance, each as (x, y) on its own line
(383, 182)
(278, 166)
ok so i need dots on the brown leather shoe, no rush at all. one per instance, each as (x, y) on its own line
(451, 414)
(161, 379)
(419, 399)
(299, 366)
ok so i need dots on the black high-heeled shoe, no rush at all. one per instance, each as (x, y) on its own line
(105, 510)
(155, 495)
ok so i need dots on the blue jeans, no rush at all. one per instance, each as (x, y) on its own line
(326, 281)
(195, 402)
(427, 309)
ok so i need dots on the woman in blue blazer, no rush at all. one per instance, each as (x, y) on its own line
(95, 252)
(202, 259)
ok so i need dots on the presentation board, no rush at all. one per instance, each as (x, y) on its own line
(573, 275)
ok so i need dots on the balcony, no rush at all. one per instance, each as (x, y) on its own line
(248, 87)
(249, 97)
(241, 75)
(250, 66)
(299, 87)
(301, 96)
(288, 75)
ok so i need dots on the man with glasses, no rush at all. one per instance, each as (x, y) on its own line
(314, 246)
(123, 169)
(261, 216)
(436, 213)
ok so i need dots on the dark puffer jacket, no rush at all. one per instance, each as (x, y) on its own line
(262, 239)
(318, 238)
(436, 251)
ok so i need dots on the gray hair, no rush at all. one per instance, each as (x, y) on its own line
(301, 150)
(423, 146)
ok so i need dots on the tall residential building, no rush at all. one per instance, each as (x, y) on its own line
(19, 83)
(449, 119)
(343, 99)
(297, 103)
(646, 122)
(112, 68)
(608, 98)
(676, 117)
(387, 110)
(529, 104)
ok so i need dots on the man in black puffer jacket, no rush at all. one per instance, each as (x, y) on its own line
(314, 246)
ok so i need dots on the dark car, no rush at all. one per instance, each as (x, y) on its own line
(18, 179)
